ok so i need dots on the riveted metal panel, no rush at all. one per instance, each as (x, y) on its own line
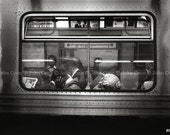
(14, 99)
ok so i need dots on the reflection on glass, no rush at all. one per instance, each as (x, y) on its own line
(105, 66)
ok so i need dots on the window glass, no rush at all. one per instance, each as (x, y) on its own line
(62, 24)
(87, 52)
(111, 26)
(108, 66)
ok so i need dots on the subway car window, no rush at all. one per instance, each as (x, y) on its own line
(87, 53)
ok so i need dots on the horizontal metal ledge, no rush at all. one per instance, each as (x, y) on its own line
(90, 112)
(86, 104)
(89, 97)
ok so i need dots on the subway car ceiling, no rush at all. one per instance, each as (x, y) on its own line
(90, 57)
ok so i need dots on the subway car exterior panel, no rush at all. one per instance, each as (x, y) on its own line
(129, 37)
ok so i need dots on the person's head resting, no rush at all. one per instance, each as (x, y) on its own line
(52, 59)
(113, 81)
(106, 81)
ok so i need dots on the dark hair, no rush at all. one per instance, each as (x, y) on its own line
(72, 61)
(98, 58)
(52, 57)
(95, 64)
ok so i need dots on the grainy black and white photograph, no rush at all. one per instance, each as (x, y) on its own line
(84, 66)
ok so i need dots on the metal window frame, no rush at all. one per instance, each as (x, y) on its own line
(86, 38)
(92, 39)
